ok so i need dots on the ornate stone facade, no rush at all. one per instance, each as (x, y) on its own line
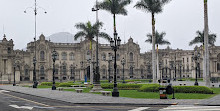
(74, 61)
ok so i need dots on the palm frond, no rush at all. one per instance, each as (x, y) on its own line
(79, 34)
(200, 38)
(159, 38)
(114, 6)
(104, 36)
(152, 6)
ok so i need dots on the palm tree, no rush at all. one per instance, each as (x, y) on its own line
(206, 74)
(89, 31)
(159, 41)
(114, 7)
(154, 7)
(200, 39)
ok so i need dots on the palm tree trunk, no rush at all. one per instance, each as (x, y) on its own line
(153, 49)
(91, 66)
(203, 53)
(114, 23)
(158, 71)
(206, 41)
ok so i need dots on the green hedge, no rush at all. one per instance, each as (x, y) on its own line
(149, 88)
(49, 83)
(107, 86)
(177, 89)
(193, 89)
(122, 86)
(65, 84)
(133, 80)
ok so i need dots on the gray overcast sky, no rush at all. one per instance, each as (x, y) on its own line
(180, 20)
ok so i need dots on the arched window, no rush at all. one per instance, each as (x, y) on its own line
(142, 71)
(218, 67)
(64, 56)
(56, 70)
(72, 69)
(218, 57)
(71, 56)
(103, 57)
(131, 56)
(42, 55)
(103, 72)
(64, 69)
(131, 72)
(26, 72)
(187, 68)
(42, 70)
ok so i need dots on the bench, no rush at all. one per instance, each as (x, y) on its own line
(79, 90)
(60, 88)
(106, 93)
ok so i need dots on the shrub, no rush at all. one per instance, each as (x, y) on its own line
(129, 86)
(122, 86)
(133, 80)
(149, 88)
(177, 89)
(193, 89)
(104, 81)
(107, 86)
(66, 84)
(49, 83)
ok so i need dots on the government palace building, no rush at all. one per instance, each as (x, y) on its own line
(75, 61)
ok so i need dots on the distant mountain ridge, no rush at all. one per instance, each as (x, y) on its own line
(62, 37)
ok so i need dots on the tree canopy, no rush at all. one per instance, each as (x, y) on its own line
(200, 38)
(89, 31)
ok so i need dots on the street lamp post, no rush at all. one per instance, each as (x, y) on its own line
(54, 56)
(123, 64)
(174, 79)
(97, 86)
(14, 84)
(115, 46)
(196, 57)
(34, 73)
(35, 8)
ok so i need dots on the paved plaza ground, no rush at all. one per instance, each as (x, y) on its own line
(88, 98)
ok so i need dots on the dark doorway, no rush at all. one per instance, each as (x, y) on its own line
(88, 72)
